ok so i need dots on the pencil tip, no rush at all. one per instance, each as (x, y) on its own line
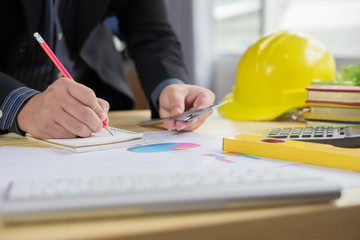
(109, 130)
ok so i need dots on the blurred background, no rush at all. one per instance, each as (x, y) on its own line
(215, 33)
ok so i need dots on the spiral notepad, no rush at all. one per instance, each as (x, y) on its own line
(97, 141)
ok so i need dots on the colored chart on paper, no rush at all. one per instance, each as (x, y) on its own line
(240, 155)
(163, 147)
(225, 159)
(218, 157)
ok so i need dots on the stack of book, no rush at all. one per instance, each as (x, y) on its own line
(332, 105)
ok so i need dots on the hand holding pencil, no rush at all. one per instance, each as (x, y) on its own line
(61, 68)
(66, 109)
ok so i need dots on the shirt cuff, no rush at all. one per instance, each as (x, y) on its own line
(11, 107)
(154, 97)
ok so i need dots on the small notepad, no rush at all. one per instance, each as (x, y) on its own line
(97, 141)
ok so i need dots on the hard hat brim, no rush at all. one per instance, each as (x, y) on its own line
(240, 111)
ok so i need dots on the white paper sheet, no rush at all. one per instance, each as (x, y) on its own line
(197, 152)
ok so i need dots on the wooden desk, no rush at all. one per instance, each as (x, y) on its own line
(321, 221)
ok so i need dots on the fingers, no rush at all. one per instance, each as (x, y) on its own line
(196, 123)
(78, 101)
(105, 107)
(87, 97)
(72, 124)
(177, 98)
(65, 110)
(73, 115)
(171, 100)
(172, 104)
(202, 100)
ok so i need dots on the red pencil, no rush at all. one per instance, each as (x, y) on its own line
(58, 64)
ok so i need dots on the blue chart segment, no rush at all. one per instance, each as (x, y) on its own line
(163, 147)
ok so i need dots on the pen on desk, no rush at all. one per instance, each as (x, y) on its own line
(58, 64)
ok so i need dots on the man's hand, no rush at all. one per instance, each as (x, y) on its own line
(177, 98)
(66, 109)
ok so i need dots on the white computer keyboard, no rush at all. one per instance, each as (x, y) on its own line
(143, 194)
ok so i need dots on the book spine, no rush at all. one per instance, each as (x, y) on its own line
(336, 103)
(318, 123)
(332, 121)
(327, 88)
(332, 118)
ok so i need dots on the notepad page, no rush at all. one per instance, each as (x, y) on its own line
(101, 138)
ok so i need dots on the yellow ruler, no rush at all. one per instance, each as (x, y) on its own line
(305, 152)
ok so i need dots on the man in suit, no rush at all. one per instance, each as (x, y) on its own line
(34, 98)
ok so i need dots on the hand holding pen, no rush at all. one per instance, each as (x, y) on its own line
(66, 109)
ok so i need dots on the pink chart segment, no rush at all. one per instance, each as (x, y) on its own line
(218, 157)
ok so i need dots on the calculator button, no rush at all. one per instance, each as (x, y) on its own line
(280, 136)
(319, 130)
(306, 135)
(275, 131)
(308, 130)
(285, 131)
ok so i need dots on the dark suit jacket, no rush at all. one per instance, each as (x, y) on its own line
(143, 25)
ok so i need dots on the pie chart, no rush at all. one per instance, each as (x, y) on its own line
(163, 147)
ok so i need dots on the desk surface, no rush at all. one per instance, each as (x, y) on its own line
(340, 220)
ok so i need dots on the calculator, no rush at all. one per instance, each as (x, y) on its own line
(347, 137)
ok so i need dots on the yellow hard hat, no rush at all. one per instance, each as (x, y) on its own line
(273, 73)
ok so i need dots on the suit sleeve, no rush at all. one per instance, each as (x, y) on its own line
(152, 43)
(13, 95)
(7, 84)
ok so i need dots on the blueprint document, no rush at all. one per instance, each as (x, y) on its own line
(163, 151)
